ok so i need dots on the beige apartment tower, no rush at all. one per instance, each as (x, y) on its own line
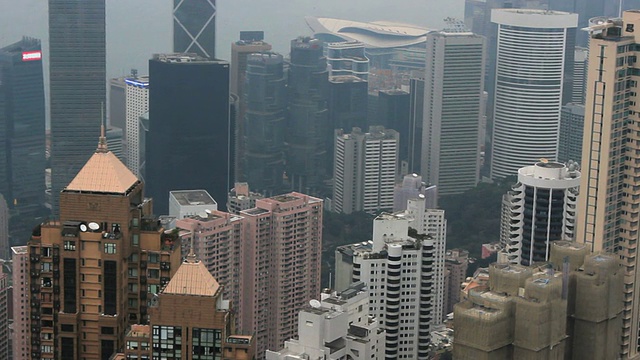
(609, 203)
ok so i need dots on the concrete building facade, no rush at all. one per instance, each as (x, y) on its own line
(194, 27)
(5, 245)
(456, 264)
(241, 198)
(365, 170)
(186, 203)
(411, 187)
(541, 208)
(453, 113)
(5, 298)
(338, 326)
(536, 47)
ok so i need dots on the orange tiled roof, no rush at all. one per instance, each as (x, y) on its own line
(192, 278)
(104, 172)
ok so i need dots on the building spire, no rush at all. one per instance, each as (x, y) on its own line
(191, 257)
(102, 142)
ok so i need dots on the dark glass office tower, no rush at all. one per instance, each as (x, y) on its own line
(416, 119)
(348, 101)
(265, 119)
(194, 27)
(22, 132)
(393, 113)
(77, 81)
(308, 128)
(190, 140)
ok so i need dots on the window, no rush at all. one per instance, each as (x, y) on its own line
(154, 258)
(206, 343)
(154, 289)
(135, 239)
(133, 287)
(109, 248)
(69, 245)
(167, 342)
(154, 274)
(133, 272)
(46, 349)
(107, 330)
(46, 267)
(133, 303)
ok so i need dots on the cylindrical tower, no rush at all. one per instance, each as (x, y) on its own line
(392, 312)
(542, 209)
(533, 74)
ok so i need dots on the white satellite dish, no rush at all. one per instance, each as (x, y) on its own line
(94, 226)
(208, 211)
(83, 227)
(315, 304)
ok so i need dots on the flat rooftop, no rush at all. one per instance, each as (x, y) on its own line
(192, 197)
(285, 198)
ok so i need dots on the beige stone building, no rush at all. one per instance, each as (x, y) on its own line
(608, 211)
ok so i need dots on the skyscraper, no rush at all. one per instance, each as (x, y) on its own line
(5, 252)
(5, 299)
(194, 27)
(453, 100)
(399, 266)
(281, 271)
(265, 119)
(22, 126)
(77, 78)
(81, 289)
(136, 104)
(21, 304)
(540, 209)
(347, 58)
(571, 133)
(534, 64)
(117, 114)
(309, 133)
(393, 113)
(365, 169)
(347, 102)
(416, 122)
(609, 208)
(189, 129)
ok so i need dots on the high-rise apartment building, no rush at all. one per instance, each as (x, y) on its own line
(398, 267)
(250, 42)
(609, 206)
(571, 133)
(347, 58)
(189, 129)
(281, 271)
(194, 27)
(22, 126)
(453, 101)
(365, 169)
(541, 208)
(456, 263)
(338, 318)
(77, 82)
(265, 105)
(309, 132)
(21, 338)
(82, 295)
(535, 47)
(136, 104)
(552, 311)
(241, 198)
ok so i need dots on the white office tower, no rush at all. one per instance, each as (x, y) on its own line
(398, 267)
(534, 61)
(337, 327)
(453, 109)
(539, 208)
(137, 104)
(365, 168)
(410, 187)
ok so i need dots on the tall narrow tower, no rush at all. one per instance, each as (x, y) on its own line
(194, 27)
(534, 61)
(609, 207)
(77, 78)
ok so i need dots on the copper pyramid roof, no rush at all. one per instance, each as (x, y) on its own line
(192, 278)
(104, 172)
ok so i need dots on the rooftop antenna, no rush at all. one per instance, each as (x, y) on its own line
(620, 8)
(191, 258)
(102, 142)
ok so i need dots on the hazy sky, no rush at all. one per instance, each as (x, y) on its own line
(138, 28)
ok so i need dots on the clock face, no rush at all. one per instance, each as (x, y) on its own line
(83, 227)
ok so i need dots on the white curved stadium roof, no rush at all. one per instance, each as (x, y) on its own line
(378, 34)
